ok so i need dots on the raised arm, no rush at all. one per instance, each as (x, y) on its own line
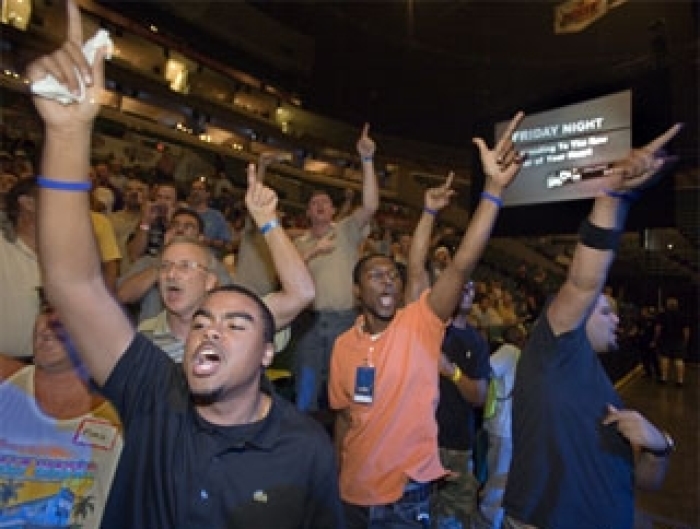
(68, 256)
(265, 160)
(600, 233)
(297, 286)
(599, 236)
(417, 279)
(500, 166)
(370, 191)
(138, 242)
(134, 285)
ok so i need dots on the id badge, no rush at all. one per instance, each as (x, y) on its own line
(364, 384)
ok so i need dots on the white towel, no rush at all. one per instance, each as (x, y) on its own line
(50, 88)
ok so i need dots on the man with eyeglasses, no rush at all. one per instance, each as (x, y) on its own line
(185, 275)
(205, 444)
(140, 283)
(384, 370)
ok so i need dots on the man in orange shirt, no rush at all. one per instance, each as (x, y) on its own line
(384, 370)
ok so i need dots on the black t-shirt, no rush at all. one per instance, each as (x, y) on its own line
(568, 470)
(178, 471)
(467, 349)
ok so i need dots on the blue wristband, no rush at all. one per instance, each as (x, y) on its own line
(269, 225)
(61, 185)
(628, 196)
(493, 198)
(367, 158)
(429, 211)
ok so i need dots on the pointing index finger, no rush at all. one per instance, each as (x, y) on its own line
(450, 177)
(252, 175)
(514, 124)
(662, 140)
(365, 130)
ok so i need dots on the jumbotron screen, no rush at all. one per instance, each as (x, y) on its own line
(569, 148)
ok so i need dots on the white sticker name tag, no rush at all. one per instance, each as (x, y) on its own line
(96, 433)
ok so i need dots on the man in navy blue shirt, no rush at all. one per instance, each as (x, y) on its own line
(205, 444)
(577, 453)
(464, 370)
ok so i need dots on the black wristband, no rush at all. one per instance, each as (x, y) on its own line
(593, 236)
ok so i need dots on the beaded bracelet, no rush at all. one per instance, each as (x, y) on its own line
(429, 211)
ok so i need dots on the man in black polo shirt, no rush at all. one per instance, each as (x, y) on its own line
(205, 445)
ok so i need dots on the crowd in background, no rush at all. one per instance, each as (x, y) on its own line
(163, 249)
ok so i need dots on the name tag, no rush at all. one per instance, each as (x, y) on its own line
(364, 385)
(96, 433)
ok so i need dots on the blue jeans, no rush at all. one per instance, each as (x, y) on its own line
(314, 334)
(411, 511)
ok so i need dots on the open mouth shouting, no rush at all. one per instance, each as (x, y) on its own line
(386, 300)
(173, 291)
(206, 360)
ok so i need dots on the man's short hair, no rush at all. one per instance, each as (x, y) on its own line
(24, 187)
(183, 239)
(268, 320)
(190, 213)
(360, 266)
(168, 183)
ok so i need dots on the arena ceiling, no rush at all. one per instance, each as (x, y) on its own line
(441, 71)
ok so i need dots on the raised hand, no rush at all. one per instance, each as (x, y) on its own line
(260, 200)
(640, 166)
(365, 145)
(437, 198)
(503, 162)
(67, 65)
